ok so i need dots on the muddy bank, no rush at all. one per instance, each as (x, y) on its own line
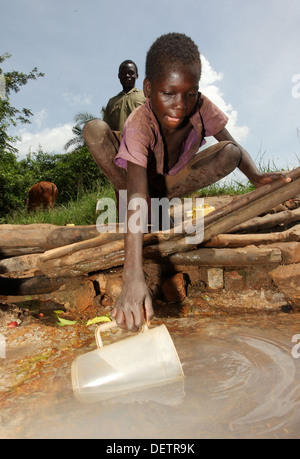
(191, 299)
(241, 382)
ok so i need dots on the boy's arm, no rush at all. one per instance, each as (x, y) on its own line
(248, 167)
(134, 304)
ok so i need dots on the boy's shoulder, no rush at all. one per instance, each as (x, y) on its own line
(115, 99)
(142, 113)
(142, 119)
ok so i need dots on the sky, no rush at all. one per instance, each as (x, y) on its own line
(250, 53)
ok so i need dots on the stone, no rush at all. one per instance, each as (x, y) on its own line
(234, 281)
(215, 278)
(101, 280)
(114, 285)
(192, 272)
(287, 280)
(75, 295)
(174, 288)
(290, 251)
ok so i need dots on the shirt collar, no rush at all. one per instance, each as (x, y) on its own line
(129, 92)
(195, 118)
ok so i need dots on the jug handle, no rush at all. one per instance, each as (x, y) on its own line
(107, 326)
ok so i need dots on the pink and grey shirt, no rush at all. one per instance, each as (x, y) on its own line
(143, 144)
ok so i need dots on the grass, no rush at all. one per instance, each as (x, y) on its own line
(81, 211)
(232, 188)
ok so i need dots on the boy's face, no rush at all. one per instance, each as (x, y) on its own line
(127, 76)
(173, 95)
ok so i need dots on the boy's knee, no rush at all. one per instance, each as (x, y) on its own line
(94, 130)
(233, 154)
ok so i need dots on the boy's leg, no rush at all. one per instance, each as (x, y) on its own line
(207, 167)
(103, 146)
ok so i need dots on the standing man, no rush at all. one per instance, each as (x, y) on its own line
(119, 107)
(102, 135)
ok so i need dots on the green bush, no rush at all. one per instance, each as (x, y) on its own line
(73, 173)
(79, 211)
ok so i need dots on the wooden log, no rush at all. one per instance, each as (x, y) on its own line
(83, 262)
(100, 240)
(26, 239)
(21, 264)
(29, 285)
(268, 221)
(243, 240)
(238, 211)
(290, 251)
(251, 205)
(97, 258)
(247, 256)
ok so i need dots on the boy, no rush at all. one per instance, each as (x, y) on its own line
(157, 156)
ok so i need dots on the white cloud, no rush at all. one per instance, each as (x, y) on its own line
(50, 140)
(54, 140)
(213, 92)
(40, 117)
(77, 99)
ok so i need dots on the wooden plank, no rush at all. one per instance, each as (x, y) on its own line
(243, 240)
(269, 221)
(248, 256)
(27, 239)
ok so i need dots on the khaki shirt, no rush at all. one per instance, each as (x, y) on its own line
(119, 108)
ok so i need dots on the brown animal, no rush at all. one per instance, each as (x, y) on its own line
(42, 194)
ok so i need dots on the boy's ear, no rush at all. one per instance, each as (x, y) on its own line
(146, 87)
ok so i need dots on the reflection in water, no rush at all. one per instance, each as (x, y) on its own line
(241, 382)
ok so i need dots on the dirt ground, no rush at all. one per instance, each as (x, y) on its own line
(39, 352)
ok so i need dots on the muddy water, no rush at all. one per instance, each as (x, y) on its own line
(241, 381)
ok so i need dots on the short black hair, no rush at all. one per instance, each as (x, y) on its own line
(128, 61)
(172, 48)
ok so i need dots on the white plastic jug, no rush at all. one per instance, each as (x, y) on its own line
(145, 360)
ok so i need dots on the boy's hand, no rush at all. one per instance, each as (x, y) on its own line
(264, 179)
(134, 305)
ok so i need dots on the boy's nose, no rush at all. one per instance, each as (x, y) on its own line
(180, 103)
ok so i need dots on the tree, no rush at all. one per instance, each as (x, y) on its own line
(9, 115)
(80, 120)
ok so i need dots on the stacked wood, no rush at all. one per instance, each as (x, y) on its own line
(30, 285)
(37, 238)
(68, 252)
(267, 222)
(77, 260)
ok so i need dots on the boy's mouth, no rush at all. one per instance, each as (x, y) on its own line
(173, 120)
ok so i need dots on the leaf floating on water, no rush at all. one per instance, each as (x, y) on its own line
(63, 322)
(96, 320)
